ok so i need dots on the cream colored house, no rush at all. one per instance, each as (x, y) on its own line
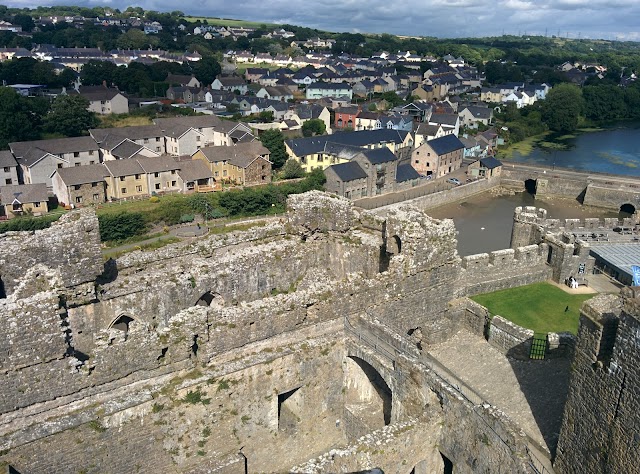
(126, 179)
(24, 199)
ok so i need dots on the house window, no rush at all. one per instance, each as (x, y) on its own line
(157, 186)
(6, 169)
(91, 153)
(156, 175)
(77, 164)
(224, 173)
(173, 184)
(96, 197)
(216, 174)
(76, 187)
(157, 139)
(139, 189)
(36, 204)
(137, 176)
(102, 102)
(8, 181)
(123, 190)
(417, 162)
(146, 140)
(92, 162)
(76, 154)
(198, 138)
(157, 148)
(173, 171)
(59, 165)
(78, 199)
(121, 178)
(94, 184)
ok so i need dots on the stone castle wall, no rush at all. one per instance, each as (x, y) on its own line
(108, 354)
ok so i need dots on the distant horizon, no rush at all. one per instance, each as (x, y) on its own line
(612, 20)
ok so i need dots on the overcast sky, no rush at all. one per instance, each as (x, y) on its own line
(608, 19)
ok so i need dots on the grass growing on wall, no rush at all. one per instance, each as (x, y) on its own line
(540, 307)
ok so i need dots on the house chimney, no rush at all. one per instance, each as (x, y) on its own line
(104, 84)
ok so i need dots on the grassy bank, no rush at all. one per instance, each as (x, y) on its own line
(229, 22)
(541, 307)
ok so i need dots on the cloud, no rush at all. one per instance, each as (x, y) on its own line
(443, 18)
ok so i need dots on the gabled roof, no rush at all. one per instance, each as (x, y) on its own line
(446, 144)
(114, 136)
(490, 162)
(126, 149)
(349, 171)
(55, 146)
(95, 93)
(444, 119)
(194, 170)
(479, 112)
(157, 164)
(406, 172)
(317, 144)
(127, 167)
(24, 193)
(240, 154)
(379, 155)
(7, 159)
(75, 175)
(330, 86)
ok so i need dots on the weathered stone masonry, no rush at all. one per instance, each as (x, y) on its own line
(199, 355)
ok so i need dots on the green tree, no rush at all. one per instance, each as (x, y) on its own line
(121, 226)
(292, 169)
(313, 127)
(206, 70)
(562, 108)
(69, 116)
(18, 119)
(274, 140)
(604, 102)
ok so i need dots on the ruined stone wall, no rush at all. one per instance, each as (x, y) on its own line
(503, 269)
(209, 336)
(71, 245)
(600, 425)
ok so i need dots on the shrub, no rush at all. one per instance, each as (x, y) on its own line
(28, 223)
(186, 218)
(121, 226)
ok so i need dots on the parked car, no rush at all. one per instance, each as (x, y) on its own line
(455, 181)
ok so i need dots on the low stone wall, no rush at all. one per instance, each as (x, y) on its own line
(509, 338)
(381, 204)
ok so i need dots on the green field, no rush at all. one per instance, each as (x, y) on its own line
(540, 307)
(230, 22)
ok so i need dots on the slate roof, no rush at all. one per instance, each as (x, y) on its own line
(121, 133)
(332, 86)
(126, 149)
(446, 144)
(126, 167)
(490, 162)
(194, 170)
(24, 193)
(95, 93)
(156, 164)
(310, 145)
(82, 174)
(55, 146)
(444, 119)
(241, 154)
(7, 159)
(479, 112)
(349, 171)
(406, 172)
(379, 155)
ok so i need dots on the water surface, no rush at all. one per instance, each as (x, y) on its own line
(484, 221)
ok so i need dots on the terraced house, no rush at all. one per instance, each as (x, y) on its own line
(326, 150)
(246, 164)
(39, 159)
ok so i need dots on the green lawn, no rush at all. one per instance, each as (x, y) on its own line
(540, 307)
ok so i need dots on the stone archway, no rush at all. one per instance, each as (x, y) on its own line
(530, 186)
(209, 298)
(122, 323)
(627, 210)
(368, 397)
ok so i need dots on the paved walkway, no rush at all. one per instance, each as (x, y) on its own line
(532, 393)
